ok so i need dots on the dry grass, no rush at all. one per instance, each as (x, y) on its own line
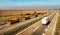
(18, 12)
(12, 13)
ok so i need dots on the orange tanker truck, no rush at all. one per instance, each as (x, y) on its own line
(26, 17)
(13, 20)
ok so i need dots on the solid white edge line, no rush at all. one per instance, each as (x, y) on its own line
(54, 27)
(23, 30)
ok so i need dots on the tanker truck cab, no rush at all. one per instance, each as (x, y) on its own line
(45, 21)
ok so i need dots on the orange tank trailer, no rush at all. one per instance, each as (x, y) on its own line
(26, 18)
(13, 20)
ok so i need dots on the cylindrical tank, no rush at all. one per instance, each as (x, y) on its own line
(12, 20)
(26, 17)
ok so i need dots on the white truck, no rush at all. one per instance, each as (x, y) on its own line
(45, 20)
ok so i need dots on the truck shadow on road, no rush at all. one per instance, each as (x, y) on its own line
(41, 29)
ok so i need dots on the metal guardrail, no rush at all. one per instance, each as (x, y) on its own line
(21, 25)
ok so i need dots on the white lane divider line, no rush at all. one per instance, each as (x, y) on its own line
(46, 30)
(36, 28)
(23, 30)
(43, 34)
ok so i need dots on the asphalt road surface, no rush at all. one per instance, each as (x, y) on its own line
(40, 30)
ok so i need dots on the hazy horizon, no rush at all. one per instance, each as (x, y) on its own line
(31, 8)
(29, 4)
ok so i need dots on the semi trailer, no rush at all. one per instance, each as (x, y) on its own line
(45, 20)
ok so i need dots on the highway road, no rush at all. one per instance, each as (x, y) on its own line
(5, 30)
(41, 29)
(52, 26)
(38, 31)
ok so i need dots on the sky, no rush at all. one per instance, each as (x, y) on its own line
(23, 3)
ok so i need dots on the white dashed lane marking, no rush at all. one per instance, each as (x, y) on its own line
(46, 30)
(43, 34)
(48, 26)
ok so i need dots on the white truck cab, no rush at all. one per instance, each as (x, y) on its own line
(45, 20)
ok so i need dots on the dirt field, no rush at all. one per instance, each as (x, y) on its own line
(15, 12)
